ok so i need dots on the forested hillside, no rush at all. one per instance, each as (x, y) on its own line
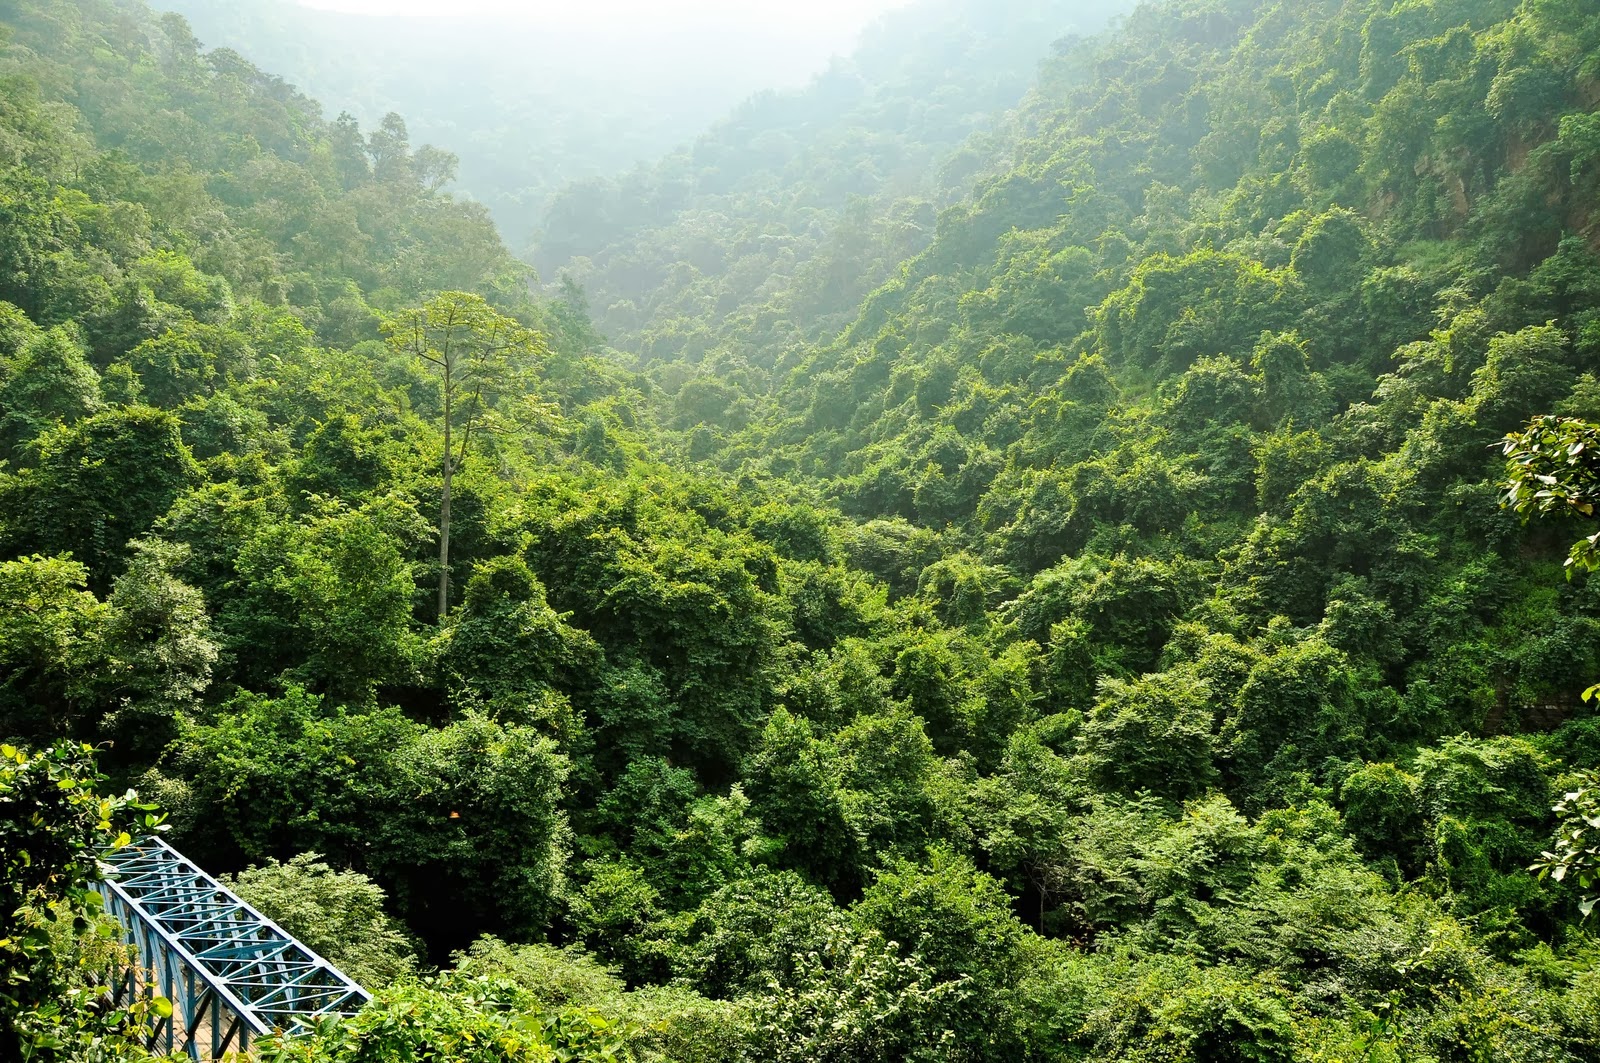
(1111, 643)
(770, 229)
(532, 99)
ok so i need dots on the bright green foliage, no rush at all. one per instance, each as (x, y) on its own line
(339, 914)
(123, 668)
(753, 933)
(477, 355)
(658, 1023)
(1382, 809)
(1488, 803)
(172, 369)
(1102, 641)
(474, 1020)
(505, 649)
(53, 942)
(795, 781)
(1574, 854)
(1179, 1013)
(1153, 734)
(895, 796)
(1177, 309)
(48, 382)
(1295, 711)
(685, 844)
(1552, 466)
(158, 653)
(330, 590)
(51, 633)
(615, 912)
(856, 998)
(958, 922)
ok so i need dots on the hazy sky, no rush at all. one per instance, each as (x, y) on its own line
(842, 14)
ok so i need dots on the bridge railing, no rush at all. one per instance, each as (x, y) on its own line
(232, 974)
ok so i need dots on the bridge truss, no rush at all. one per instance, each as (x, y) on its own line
(232, 974)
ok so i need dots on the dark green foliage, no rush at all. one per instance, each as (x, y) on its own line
(461, 823)
(93, 486)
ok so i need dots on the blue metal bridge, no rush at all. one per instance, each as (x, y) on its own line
(232, 974)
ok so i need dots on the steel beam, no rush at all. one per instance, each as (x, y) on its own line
(232, 974)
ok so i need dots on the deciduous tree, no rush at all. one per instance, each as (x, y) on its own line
(475, 352)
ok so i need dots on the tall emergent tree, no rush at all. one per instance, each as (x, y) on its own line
(476, 352)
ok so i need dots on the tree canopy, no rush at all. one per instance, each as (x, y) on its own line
(958, 568)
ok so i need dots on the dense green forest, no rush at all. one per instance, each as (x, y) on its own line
(768, 231)
(532, 101)
(1128, 635)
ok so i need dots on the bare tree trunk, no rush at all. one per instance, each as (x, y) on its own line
(444, 509)
(444, 541)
